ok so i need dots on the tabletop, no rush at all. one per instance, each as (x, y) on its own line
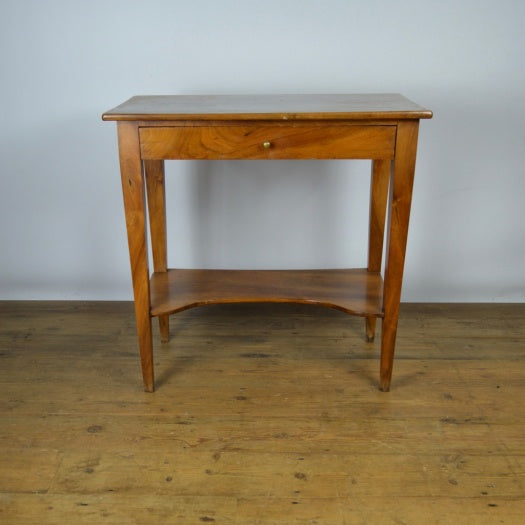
(382, 106)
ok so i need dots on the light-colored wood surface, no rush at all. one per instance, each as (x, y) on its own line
(268, 414)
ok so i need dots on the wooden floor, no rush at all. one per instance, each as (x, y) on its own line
(264, 414)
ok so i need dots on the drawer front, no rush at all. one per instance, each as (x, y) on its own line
(286, 141)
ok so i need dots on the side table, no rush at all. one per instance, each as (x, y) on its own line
(379, 127)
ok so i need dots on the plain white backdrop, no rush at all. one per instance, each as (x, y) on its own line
(64, 62)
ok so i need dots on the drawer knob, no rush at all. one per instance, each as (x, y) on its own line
(267, 145)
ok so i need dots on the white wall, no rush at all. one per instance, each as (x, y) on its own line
(63, 62)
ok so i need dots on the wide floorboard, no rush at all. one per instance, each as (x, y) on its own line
(263, 414)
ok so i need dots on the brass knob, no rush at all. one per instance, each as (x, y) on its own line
(267, 145)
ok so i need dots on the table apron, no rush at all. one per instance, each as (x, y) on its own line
(268, 142)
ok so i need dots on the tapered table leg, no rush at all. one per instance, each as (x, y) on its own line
(135, 210)
(376, 230)
(401, 184)
(154, 171)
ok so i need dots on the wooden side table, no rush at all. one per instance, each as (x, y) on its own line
(382, 128)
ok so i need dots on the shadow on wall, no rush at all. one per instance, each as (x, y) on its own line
(270, 214)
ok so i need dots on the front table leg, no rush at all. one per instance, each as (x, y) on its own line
(402, 179)
(135, 209)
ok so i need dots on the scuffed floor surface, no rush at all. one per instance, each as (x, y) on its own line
(263, 414)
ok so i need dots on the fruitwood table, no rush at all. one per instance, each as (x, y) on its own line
(382, 128)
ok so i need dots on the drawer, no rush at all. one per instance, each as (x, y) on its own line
(275, 141)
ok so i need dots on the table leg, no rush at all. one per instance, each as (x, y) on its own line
(154, 172)
(135, 208)
(402, 179)
(378, 199)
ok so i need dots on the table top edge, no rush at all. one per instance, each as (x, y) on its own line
(267, 107)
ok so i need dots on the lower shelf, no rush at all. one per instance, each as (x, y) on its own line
(355, 291)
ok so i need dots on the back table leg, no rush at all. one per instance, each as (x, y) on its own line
(154, 170)
(135, 208)
(376, 233)
(401, 184)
